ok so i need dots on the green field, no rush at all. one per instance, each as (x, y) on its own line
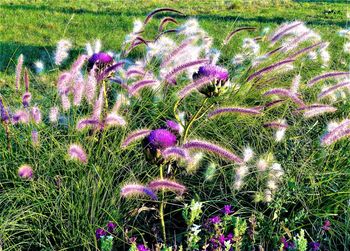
(66, 202)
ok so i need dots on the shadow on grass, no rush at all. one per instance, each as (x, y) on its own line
(233, 17)
(10, 51)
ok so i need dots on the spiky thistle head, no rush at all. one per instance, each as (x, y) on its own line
(76, 152)
(26, 172)
(130, 190)
(161, 139)
(102, 60)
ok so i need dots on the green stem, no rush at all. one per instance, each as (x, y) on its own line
(176, 105)
(161, 208)
(193, 119)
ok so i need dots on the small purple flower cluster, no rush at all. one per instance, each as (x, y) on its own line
(108, 230)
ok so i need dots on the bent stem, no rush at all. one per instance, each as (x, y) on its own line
(161, 207)
(193, 119)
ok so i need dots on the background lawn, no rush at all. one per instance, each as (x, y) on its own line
(62, 209)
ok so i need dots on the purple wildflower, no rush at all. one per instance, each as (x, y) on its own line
(141, 247)
(210, 147)
(326, 225)
(20, 116)
(111, 226)
(315, 246)
(19, 71)
(241, 110)
(161, 139)
(26, 99)
(25, 172)
(135, 135)
(215, 71)
(170, 77)
(167, 184)
(100, 233)
(215, 219)
(227, 209)
(137, 189)
(77, 152)
(109, 70)
(287, 244)
(332, 89)
(285, 93)
(99, 59)
(3, 112)
(327, 75)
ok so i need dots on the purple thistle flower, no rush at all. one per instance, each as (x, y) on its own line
(4, 116)
(342, 130)
(141, 247)
(232, 33)
(135, 135)
(215, 71)
(26, 99)
(161, 139)
(83, 123)
(36, 115)
(150, 15)
(227, 209)
(241, 110)
(332, 89)
(100, 233)
(99, 59)
(197, 84)
(111, 226)
(167, 184)
(20, 116)
(133, 89)
(306, 49)
(283, 30)
(177, 152)
(114, 120)
(170, 76)
(209, 147)
(176, 51)
(53, 116)
(25, 172)
(326, 76)
(269, 68)
(166, 20)
(287, 244)
(90, 86)
(19, 70)
(77, 152)
(315, 246)
(136, 189)
(35, 138)
(97, 110)
(285, 93)
(215, 219)
(78, 90)
(326, 225)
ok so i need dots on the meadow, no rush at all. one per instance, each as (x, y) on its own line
(229, 131)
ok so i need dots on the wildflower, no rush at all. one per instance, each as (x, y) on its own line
(209, 147)
(287, 244)
(100, 232)
(135, 135)
(111, 226)
(25, 172)
(167, 184)
(160, 139)
(141, 247)
(315, 246)
(4, 116)
(326, 225)
(62, 49)
(19, 71)
(227, 209)
(100, 60)
(137, 189)
(20, 116)
(26, 99)
(77, 152)
(53, 114)
(215, 219)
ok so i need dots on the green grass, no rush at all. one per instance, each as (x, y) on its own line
(68, 201)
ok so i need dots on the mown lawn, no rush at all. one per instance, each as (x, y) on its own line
(40, 216)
